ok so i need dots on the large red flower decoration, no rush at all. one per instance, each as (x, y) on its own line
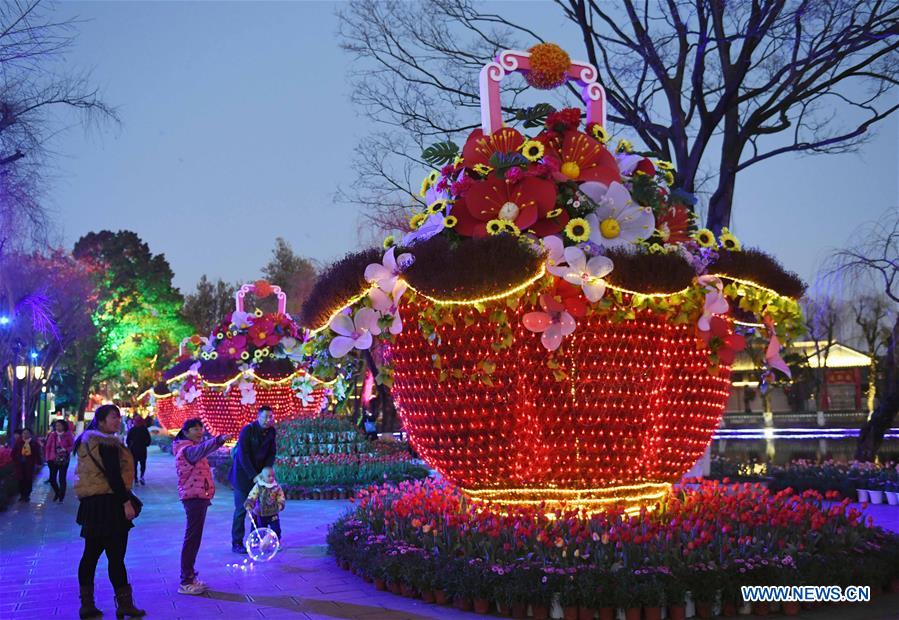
(523, 202)
(263, 334)
(570, 296)
(728, 343)
(581, 158)
(480, 148)
(674, 224)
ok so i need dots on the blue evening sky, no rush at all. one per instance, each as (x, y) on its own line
(237, 128)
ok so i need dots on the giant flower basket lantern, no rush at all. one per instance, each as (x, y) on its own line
(251, 359)
(567, 332)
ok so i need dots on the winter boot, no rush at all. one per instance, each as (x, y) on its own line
(88, 607)
(124, 604)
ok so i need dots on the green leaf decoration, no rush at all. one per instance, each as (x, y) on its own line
(536, 115)
(441, 153)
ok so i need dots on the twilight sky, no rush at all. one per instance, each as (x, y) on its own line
(237, 128)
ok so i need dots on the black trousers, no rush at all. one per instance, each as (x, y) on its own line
(140, 462)
(114, 546)
(195, 510)
(58, 477)
(26, 482)
(238, 525)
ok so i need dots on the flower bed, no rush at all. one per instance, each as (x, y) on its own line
(425, 538)
(328, 458)
(845, 479)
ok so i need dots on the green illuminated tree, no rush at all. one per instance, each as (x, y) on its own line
(138, 316)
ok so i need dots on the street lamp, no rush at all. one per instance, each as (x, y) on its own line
(21, 372)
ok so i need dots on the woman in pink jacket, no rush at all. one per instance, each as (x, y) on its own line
(196, 489)
(57, 453)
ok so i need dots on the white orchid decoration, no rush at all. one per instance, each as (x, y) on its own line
(303, 388)
(588, 274)
(353, 333)
(247, 392)
(386, 274)
(387, 307)
(618, 220)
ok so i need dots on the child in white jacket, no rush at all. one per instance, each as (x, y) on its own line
(266, 500)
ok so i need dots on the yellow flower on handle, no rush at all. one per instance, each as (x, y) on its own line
(705, 238)
(389, 241)
(450, 221)
(578, 230)
(599, 132)
(532, 150)
(662, 164)
(554, 213)
(728, 241)
(624, 146)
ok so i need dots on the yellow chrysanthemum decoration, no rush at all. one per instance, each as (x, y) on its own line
(554, 213)
(433, 177)
(728, 241)
(438, 206)
(495, 227)
(482, 169)
(669, 178)
(458, 161)
(417, 220)
(663, 164)
(389, 242)
(425, 186)
(578, 230)
(532, 150)
(450, 221)
(510, 227)
(624, 146)
(705, 238)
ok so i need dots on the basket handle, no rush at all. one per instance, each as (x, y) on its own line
(261, 288)
(509, 61)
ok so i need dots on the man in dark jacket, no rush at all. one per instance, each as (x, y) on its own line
(138, 440)
(255, 449)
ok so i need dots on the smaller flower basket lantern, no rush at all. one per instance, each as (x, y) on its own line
(567, 331)
(250, 360)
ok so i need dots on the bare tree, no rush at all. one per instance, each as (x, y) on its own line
(873, 330)
(823, 323)
(34, 87)
(875, 257)
(760, 78)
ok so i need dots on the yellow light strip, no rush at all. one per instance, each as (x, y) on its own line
(745, 324)
(346, 305)
(643, 494)
(570, 492)
(750, 283)
(630, 292)
(467, 302)
(252, 374)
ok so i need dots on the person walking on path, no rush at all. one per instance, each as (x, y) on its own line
(255, 449)
(266, 500)
(57, 453)
(104, 475)
(26, 454)
(138, 440)
(196, 488)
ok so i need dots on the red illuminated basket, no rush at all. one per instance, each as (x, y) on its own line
(638, 409)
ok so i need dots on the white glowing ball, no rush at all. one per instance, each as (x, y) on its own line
(262, 544)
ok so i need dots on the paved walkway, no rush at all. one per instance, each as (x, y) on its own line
(41, 549)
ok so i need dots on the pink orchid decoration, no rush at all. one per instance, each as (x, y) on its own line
(554, 322)
(715, 301)
(772, 353)
(588, 274)
(353, 333)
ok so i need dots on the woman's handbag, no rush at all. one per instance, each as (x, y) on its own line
(134, 499)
